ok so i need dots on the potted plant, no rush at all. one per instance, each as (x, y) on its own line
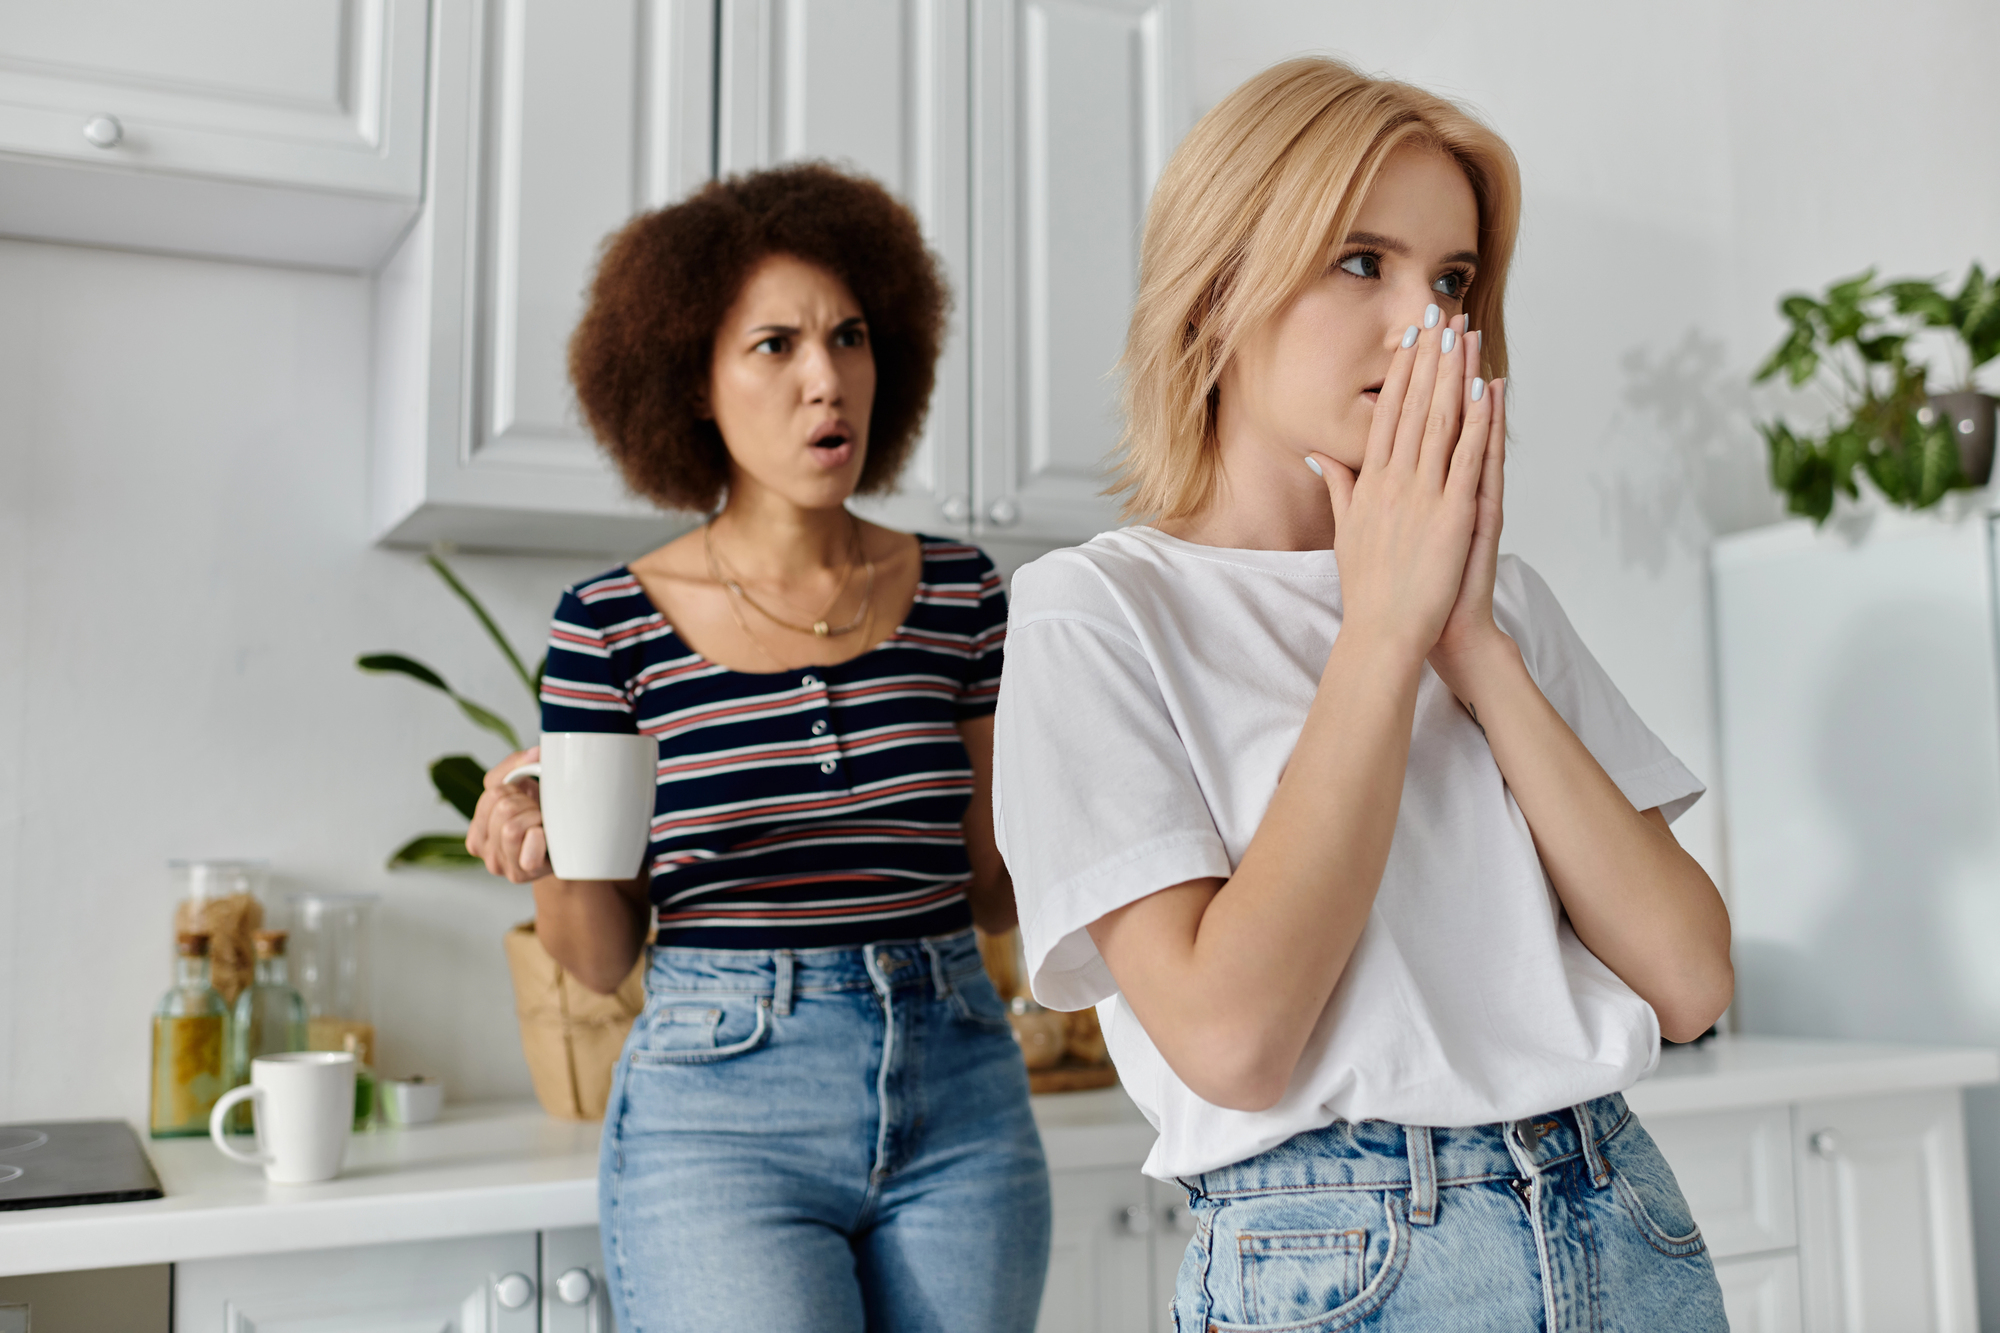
(570, 1035)
(1852, 343)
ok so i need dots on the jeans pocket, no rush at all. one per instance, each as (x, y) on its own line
(1650, 1195)
(1314, 1264)
(974, 1001)
(699, 1034)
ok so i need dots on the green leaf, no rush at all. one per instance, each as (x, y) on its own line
(487, 718)
(1799, 308)
(492, 629)
(460, 780)
(405, 665)
(434, 849)
(1883, 349)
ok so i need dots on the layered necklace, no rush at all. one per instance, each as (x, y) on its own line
(820, 628)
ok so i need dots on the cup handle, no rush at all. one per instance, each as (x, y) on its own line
(248, 1092)
(532, 769)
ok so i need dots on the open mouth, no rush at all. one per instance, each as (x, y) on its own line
(1373, 391)
(831, 436)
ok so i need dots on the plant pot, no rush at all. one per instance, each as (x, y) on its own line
(570, 1035)
(1969, 414)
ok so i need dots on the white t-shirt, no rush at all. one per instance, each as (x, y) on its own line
(1152, 694)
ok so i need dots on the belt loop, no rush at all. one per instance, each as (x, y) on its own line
(939, 981)
(781, 998)
(1593, 1160)
(1423, 1175)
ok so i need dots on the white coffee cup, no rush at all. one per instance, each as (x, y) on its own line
(597, 801)
(302, 1107)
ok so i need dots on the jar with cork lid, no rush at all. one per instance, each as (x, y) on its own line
(190, 1044)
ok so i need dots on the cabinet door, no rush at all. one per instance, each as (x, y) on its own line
(574, 1298)
(1100, 1253)
(555, 123)
(1076, 104)
(1735, 1169)
(175, 109)
(483, 1284)
(1885, 1223)
(1760, 1294)
(1173, 1227)
(879, 87)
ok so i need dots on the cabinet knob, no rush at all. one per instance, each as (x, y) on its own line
(1003, 513)
(103, 131)
(1136, 1220)
(574, 1287)
(955, 508)
(1825, 1143)
(513, 1291)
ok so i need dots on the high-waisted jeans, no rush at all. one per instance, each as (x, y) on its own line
(1564, 1222)
(827, 1139)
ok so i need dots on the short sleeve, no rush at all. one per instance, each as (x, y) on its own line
(1096, 804)
(1634, 758)
(580, 686)
(979, 689)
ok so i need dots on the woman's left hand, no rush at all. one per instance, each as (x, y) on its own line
(1469, 628)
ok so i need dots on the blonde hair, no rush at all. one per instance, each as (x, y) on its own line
(1241, 223)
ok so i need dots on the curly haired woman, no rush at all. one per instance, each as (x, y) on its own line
(821, 1119)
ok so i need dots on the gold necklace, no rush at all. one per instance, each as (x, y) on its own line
(819, 629)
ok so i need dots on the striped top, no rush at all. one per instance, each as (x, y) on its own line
(796, 809)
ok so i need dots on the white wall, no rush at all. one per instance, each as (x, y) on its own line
(185, 580)
(1684, 164)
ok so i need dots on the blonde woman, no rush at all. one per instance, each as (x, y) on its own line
(1321, 800)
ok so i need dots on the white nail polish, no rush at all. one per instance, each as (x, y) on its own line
(1313, 463)
(1410, 336)
(1478, 388)
(1431, 314)
(1449, 340)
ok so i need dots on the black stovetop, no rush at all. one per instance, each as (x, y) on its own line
(60, 1162)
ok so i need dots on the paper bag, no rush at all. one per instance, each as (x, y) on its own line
(570, 1034)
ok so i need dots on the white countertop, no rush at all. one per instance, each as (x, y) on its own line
(487, 1169)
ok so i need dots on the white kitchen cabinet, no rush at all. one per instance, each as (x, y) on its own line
(481, 1284)
(289, 133)
(1886, 1240)
(574, 1297)
(1076, 106)
(1760, 1294)
(1100, 1256)
(876, 86)
(552, 124)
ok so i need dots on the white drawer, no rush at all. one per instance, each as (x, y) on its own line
(1735, 1167)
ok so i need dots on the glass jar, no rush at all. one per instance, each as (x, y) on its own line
(190, 1045)
(225, 901)
(331, 944)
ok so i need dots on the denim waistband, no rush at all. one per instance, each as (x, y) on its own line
(936, 961)
(1378, 1154)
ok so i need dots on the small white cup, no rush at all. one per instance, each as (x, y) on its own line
(412, 1101)
(302, 1107)
(597, 801)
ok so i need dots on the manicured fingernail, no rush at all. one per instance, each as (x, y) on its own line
(1448, 342)
(1410, 336)
(1313, 463)
(1431, 314)
(1478, 388)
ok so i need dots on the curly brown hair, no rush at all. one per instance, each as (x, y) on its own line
(640, 358)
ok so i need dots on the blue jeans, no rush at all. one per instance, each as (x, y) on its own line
(827, 1139)
(1565, 1221)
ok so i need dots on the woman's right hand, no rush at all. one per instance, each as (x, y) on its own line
(1403, 524)
(506, 830)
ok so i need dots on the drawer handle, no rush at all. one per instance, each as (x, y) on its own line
(1136, 1220)
(575, 1286)
(513, 1291)
(1825, 1143)
(103, 131)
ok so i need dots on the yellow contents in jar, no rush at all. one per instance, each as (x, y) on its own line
(188, 1073)
(327, 1033)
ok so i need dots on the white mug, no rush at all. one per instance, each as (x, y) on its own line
(597, 801)
(302, 1109)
